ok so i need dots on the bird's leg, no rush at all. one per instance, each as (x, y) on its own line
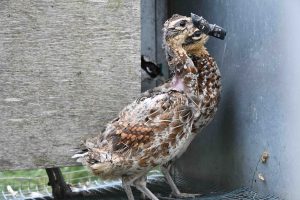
(165, 169)
(126, 182)
(140, 184)
(143, 196)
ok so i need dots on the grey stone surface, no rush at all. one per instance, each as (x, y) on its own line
(66, 68)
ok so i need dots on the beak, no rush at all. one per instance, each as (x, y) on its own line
(207, 28)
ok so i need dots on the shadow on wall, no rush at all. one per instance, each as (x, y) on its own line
(209, 151)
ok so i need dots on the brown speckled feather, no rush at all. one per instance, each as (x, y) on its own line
(147, 133)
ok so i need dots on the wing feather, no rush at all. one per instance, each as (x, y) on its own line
(150, 125)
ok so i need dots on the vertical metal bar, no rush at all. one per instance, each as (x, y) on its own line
(161, 12)
(148, 47)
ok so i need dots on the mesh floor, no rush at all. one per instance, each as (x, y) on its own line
(114, 191)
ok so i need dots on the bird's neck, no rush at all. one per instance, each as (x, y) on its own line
(185, 73)
(177, 57)
(209, 77)
(195, 73)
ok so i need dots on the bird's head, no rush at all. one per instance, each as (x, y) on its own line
(195, 42)
(191, 33)
(177, 29)
(187, 35)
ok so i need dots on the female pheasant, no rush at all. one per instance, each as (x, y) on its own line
(158, 127)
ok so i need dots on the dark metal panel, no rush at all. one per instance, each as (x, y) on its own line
(148, 47)
(153, 16)
(260, 108)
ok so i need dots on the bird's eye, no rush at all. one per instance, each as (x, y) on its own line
(197, 34)
(182, 23)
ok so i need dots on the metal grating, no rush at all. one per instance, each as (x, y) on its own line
(91, 189)
(112, 190)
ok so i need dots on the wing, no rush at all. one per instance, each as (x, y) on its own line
(148, 126)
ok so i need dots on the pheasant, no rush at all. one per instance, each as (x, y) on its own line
(157, 128)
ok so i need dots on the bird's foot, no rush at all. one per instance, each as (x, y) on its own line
(184, 195)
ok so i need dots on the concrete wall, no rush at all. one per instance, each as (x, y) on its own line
(260, 105)
(66, 68)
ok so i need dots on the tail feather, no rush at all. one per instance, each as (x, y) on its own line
(82, 150)
(79, 155)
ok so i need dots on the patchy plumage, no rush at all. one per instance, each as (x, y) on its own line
(147, 133)
(158, 127)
